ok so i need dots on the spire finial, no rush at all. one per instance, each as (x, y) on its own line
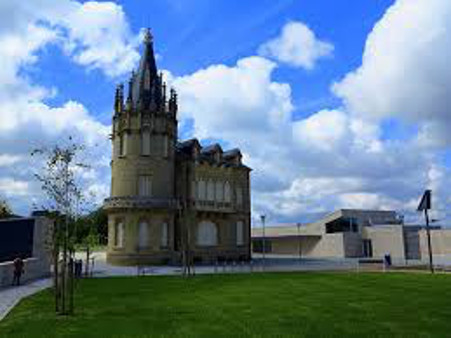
(148, 37)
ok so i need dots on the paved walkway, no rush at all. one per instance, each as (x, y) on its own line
(11, 296)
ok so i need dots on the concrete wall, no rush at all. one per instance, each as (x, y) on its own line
(441, 246)
(37, 266)
(330, 245)
(33, 268)
(352, 242)
(386, 239)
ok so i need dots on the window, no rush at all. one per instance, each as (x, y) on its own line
(201, 190)
(145, 143)
(207, 234)
(164, 239)
(219, 192)
(119, 235)
(227, 195)
(239, 233)
(193, 190)
(165, 146)
(210, 190)
(239, 196)
(123, 144)
(143, 235)
(145, 185)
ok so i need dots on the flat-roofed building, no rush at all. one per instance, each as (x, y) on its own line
(344, 233)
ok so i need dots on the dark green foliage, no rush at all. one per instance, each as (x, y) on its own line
(93, 224)
(258, 305)
(5, 209)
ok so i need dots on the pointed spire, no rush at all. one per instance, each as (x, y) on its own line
(146, 78)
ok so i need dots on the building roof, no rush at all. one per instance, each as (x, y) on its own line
(286, 230)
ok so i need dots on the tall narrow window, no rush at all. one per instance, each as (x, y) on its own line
(239, 196)
(119, 235)
(164, 238)
(227, 193)
(122, 141)
(211, 190)
(219, 191)
(239, 233)
(165, 146)
(145, 143)
(193, 189)
(207, 234)
(145, 185)
(143, 232)
(201, 191)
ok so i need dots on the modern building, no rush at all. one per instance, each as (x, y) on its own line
(170, 197)
(26, 238)
(352, 233)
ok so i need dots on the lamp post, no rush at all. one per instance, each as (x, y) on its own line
(425, 205)
(299, 241)
(263, 218)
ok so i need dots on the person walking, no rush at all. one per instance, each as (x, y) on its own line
(18, 270)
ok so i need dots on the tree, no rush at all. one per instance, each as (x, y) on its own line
(5, 210)
(59, 182)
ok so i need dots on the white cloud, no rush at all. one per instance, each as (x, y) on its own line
(26, 122)
(297, 46)
(325, 130)
(328, 160)
(10, 187)
(99, 37)
(405, 69)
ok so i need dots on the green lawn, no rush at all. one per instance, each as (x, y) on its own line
(259, 305)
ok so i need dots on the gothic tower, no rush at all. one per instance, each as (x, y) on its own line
(142, 206)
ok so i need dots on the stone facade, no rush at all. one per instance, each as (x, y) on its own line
(169, 197)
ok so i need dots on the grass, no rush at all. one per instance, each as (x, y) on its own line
(258, 305)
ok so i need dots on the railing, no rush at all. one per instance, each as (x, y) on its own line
(139, 202)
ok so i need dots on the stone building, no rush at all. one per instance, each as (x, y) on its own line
(170, 197)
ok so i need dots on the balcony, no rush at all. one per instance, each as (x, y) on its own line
(139, 202)
(214, 206)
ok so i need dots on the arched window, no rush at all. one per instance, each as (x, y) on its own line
(119, 235)
(164, 239)
(239, 233)
(145, 142)
(201, 191)
(207, 234)
(227, 192)
(211, 190)
(143, 235)
(219, 191)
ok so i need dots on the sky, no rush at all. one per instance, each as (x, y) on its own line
(334, 104)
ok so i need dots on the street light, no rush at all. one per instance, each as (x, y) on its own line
(263, 217)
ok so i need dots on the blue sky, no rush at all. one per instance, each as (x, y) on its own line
(190, 35)
(334, 103)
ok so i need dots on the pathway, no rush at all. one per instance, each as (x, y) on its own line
(11, 296)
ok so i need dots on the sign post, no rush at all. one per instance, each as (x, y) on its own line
(425, 205)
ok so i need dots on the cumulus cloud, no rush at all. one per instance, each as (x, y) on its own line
(405, 70)
(26, 121)
(328, 160)
(297, 46)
